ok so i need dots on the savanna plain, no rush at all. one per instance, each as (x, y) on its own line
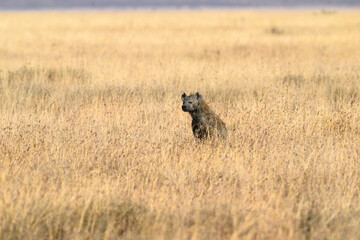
(94, 144)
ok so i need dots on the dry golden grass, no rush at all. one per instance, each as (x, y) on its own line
(94, 145)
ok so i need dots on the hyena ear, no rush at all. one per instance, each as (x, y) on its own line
(198, 96)
(183, 96)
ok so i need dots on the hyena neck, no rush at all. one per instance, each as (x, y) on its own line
(204, 107)
(199, 113)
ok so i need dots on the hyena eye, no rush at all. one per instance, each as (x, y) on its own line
(190, 102)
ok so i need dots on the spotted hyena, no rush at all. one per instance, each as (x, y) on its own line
(205, 123)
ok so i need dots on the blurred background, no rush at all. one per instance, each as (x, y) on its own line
(160, 4)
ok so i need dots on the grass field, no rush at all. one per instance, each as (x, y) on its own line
(94, 144)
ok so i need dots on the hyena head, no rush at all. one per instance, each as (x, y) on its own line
(191, 103)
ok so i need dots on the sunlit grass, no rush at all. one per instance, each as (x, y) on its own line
(94, 144)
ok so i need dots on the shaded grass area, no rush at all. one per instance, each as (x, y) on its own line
(46, 220)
